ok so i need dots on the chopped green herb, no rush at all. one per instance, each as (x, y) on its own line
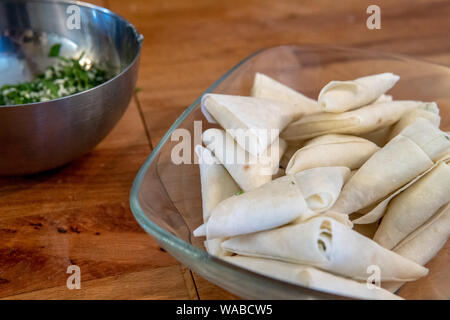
(239, 192)
(54, 50)
(64, 78)
(292, 182)
(137, 89)
(446, 137)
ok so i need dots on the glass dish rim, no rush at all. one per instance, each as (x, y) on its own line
(161, 234)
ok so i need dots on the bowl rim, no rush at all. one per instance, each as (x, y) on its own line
(138, 36)
(166, 237)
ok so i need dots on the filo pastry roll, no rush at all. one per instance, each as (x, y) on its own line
(415, 205)
(429, 111)
(332, 150)
(374, 212)
(401, 160)
(424, 243)
(311, 277)
(247, 170)
(356, 122)
(268, 88)
(341, 96)
(379, 136)
(216, 185)
(276, 203)
(325, 243)
(254, 123)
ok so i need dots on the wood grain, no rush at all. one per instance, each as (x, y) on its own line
(79, 214)
(147, 284)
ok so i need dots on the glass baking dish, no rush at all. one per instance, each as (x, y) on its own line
(166, 198)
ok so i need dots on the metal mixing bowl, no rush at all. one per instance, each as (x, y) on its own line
(40, 136)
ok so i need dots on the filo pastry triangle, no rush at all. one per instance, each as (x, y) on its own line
(356, 122)
(276, 203)
(216, 185)
(247, 170)
(327, 244)
(310, 277)
(253, 122)
(401, 160)
(341, 96)
(268, 88)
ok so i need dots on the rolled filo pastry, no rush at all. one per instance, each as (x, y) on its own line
(276, 203)
(424, 243)
(374, 212)
(341, 96)
(347, 151)
(365, 119)
(268, 88)
(414, 206)
(247, 170)
(401, 160)
(216, 186)
(380, 136)
(311, 277)
(327, 244)
(216, 183)
(429, 111)
(254, 123)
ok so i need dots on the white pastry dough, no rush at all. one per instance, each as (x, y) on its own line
(268, 88)
(253, 122)
(247, 170)
(277, 203)
(332, 150)
(363, 120)
(341, 96)
(404, 158)
(311, 277)
(326, 244)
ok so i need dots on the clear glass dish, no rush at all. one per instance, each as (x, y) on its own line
(166, 198)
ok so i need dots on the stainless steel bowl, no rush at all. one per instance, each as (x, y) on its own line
(40, 136)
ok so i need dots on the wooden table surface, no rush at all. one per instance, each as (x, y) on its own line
(79, 214)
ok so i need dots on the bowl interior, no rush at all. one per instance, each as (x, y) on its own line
(28, 29)
(166, 198)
